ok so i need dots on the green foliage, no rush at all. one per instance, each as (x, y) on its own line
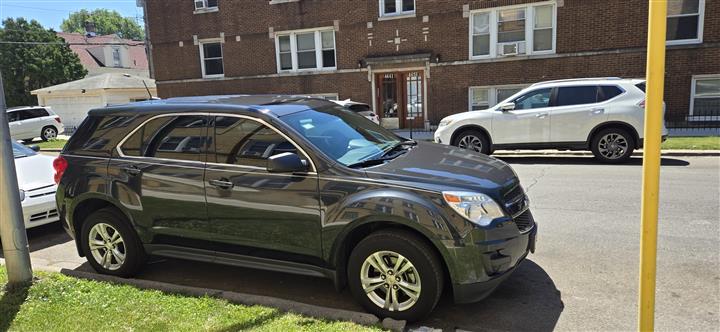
(106, 22)
(692, 143)
(27, 67)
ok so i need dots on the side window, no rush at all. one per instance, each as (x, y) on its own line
(174, 137)
(246, 142)
(609, 92)
(577, 95)
(13, 116)
(535, 99)
(33, 113)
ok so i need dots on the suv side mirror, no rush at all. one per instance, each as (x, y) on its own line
(507, 107)
(35, 148)
(287, 162)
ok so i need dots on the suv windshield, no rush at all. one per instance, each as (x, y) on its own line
(20, 151)
(344, 136)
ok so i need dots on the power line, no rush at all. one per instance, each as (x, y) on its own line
(69, 44)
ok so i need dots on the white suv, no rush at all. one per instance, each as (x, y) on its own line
(26, 123)
(604, 115)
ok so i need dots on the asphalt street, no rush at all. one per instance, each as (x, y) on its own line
(582, 277)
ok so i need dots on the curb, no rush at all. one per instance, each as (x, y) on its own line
(239, 298)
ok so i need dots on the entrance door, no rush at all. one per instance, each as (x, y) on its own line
(400, 99)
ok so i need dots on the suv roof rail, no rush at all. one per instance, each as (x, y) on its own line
(579, 80)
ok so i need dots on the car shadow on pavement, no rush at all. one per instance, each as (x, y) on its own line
(45, 236)
(635, 161)
(528, 300)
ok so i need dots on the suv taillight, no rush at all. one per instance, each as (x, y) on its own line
(60, 165)
(641, 104)
(57, 118)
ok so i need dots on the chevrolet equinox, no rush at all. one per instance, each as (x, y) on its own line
(292, 184)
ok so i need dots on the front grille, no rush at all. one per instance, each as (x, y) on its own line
(44, 215)
(524, 221)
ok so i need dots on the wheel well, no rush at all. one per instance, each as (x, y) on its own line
(465, 128)
(85, 209)
(361, 232)
(621, 125)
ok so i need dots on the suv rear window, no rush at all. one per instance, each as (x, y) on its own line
(33, 113)
(577, 95)
(641, 86)
(171, 137)
(609, 92)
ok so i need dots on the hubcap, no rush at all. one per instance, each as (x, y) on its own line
(390, 281)
(471, 142)
(50, 133)
(613, 146)
(107, 246)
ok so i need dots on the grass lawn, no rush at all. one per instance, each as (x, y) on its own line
(692, 143)
(54, 144)
(56, 302)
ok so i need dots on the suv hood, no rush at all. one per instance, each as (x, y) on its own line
(438, 167)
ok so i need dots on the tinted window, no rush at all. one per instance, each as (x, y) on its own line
(13, 116)
(609, 92)
(173, 137)
(577, 95)
(359, 108)
(246, 142)
(535, 99)
(641, 86)
(32, 113)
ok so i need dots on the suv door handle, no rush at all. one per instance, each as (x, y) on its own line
(222, 184)
(598, 110)
(132, 170)
(541, 115)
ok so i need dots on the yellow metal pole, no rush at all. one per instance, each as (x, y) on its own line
(651, 162)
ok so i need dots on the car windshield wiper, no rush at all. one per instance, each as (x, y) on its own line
(385, 156)
(397, 145)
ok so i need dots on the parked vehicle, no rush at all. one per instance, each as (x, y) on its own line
(37, 186)
(27, 123)
(604, 115)
(359, 108)
(296, 185)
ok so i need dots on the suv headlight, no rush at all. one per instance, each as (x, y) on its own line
(445, 122)
(475, 207)
(22, 195)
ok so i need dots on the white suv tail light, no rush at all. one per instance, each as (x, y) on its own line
(641, 104)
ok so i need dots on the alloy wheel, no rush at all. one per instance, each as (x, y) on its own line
(49, 133)
(390, 281)
(613, 146)
(107, 246)
(471, 142)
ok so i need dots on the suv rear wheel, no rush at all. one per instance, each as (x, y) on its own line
(612, 145)
(473, 140)
(394, 274)
(110, 245)
(48, 133)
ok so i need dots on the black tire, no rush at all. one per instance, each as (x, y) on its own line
(132, 247)
(474, 140)
(426, 264)
(612, 145)
(45, 133)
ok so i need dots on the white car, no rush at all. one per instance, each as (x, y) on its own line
(359, 108)
(36, 181)
(26, 123)
(604, 115)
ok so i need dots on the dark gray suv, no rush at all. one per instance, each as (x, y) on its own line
(292, 184)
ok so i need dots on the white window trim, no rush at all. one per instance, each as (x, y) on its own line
(205, 9)
(529, 29)
(275, 2)
(202, 55)
(701, 24)
(293, 50)
(492, 93)
(398, 6)
(691, 116)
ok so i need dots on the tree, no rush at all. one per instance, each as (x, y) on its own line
(106, 22)
(28, 64)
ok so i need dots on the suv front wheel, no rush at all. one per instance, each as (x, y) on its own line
(473, 140)
(394, 274)
(612, 145)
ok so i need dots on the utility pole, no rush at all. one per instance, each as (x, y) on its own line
(657, 22)
(12, 227)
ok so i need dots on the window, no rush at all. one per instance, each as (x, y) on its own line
(245, 142)
(482, 98)
(211, 58)
(685, 21)
(33, 113)
(116, 57)
(170, 137)
(306, 50)
(13, 116)
(609, 92)
(705, 98)
(514, 30)
(577, 95)
(201, 5)
(396, 7)
(535, 99)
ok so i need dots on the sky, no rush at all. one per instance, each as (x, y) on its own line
(50, 13)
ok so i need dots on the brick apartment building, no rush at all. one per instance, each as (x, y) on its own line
(427, 58)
